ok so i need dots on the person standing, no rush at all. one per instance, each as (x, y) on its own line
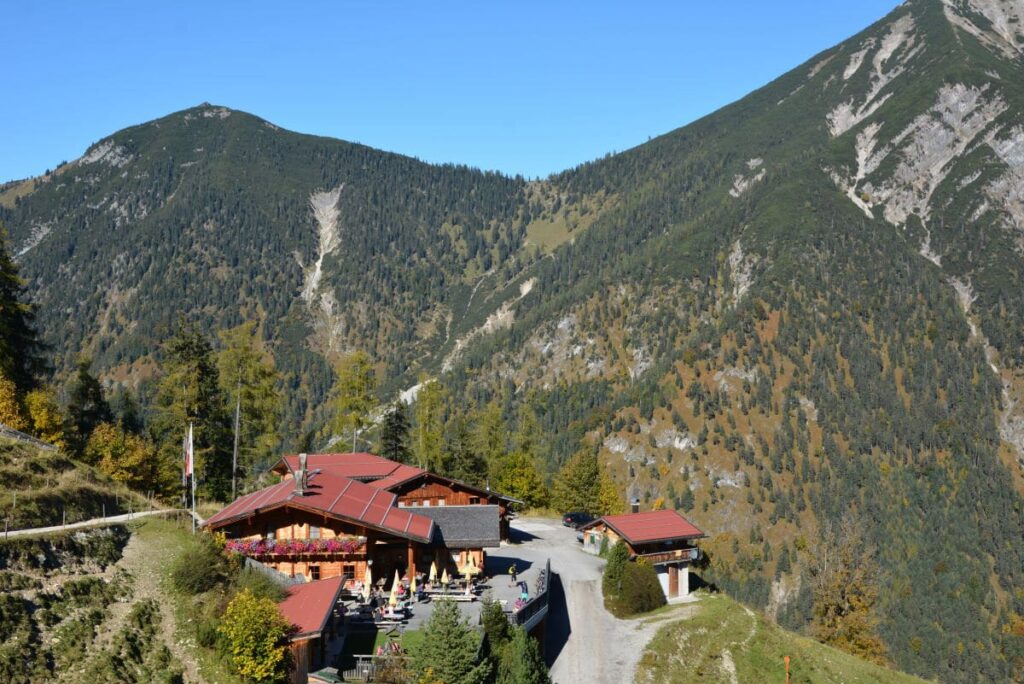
(513, 574)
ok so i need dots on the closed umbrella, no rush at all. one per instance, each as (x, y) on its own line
(367, 584)
(433, 572)
(444, 577)
(393, 599)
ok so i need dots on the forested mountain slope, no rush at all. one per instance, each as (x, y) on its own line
(800, 310)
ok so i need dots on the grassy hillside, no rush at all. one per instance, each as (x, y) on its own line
(724, 641)
(38, 488)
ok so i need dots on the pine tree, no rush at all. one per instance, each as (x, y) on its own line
(428, 432)
(394, 434)
(21, 358)
(353, 397)
(448, 650)
(189, 393)
(248, 378)
(521, 661)
(87, 405)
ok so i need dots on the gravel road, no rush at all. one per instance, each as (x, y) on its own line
(584, 642)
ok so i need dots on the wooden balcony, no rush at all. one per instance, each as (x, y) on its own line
(689, 554)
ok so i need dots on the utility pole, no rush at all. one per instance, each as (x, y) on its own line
(234, 456)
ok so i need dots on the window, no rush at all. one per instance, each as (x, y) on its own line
(426, 502)
(314, 532)
(440, 501)
(348, 572)
(474, 500)
(269, 534)
(314, 572)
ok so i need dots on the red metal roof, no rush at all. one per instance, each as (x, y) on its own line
(336, 496)
(651, 526)
(359, 466)
(308, 606)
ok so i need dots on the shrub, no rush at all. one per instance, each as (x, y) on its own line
(641, 591)
(200, 567)
(258, 584)
(254, 634)
(618, 559)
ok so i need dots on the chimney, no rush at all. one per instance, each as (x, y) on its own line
(634, 505)
(300, 476)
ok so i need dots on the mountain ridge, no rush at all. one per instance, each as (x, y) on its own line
(799, 309)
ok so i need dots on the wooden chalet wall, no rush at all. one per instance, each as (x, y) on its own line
(431, 490)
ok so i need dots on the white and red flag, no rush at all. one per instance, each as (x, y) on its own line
(189, 451)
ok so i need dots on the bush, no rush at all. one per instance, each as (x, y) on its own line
(258, 584)
(618, 559)
(255, 634)
(200, 567)
(630, 588)
(641, 591)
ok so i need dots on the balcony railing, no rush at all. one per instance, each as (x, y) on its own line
(673, 556)
(296, 547)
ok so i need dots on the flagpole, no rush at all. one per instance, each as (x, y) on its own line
(192, 452)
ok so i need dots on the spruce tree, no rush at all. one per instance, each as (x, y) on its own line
(190, 393)
(87, 405)
(521, 661)
(449, 649)
(462, 461)
(21, 358)
(394, 434)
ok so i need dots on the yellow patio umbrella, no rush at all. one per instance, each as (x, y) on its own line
(444, 577)
(397, 583)
(393, 599)
(468, 570)
(367, 584)
(412, 583)
(433, 571)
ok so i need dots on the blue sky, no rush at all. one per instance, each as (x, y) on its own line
(523, 87)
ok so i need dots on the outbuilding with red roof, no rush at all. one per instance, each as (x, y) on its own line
(664, 538)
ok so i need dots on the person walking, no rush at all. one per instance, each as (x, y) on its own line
(513, 574)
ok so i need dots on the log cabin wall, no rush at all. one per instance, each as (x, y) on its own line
(440, 494)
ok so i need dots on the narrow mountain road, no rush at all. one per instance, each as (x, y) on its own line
(588, 643)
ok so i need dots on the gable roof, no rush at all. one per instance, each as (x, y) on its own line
(308, 606)
(465, 527)
(651, 526)
(335, 496)
(374, 470)
(357, 466)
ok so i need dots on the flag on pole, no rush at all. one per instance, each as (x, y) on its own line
(188, 451)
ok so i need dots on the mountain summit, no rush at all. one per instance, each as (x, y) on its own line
(800, 310)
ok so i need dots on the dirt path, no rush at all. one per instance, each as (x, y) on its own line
(144, 564)
(727, 663)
